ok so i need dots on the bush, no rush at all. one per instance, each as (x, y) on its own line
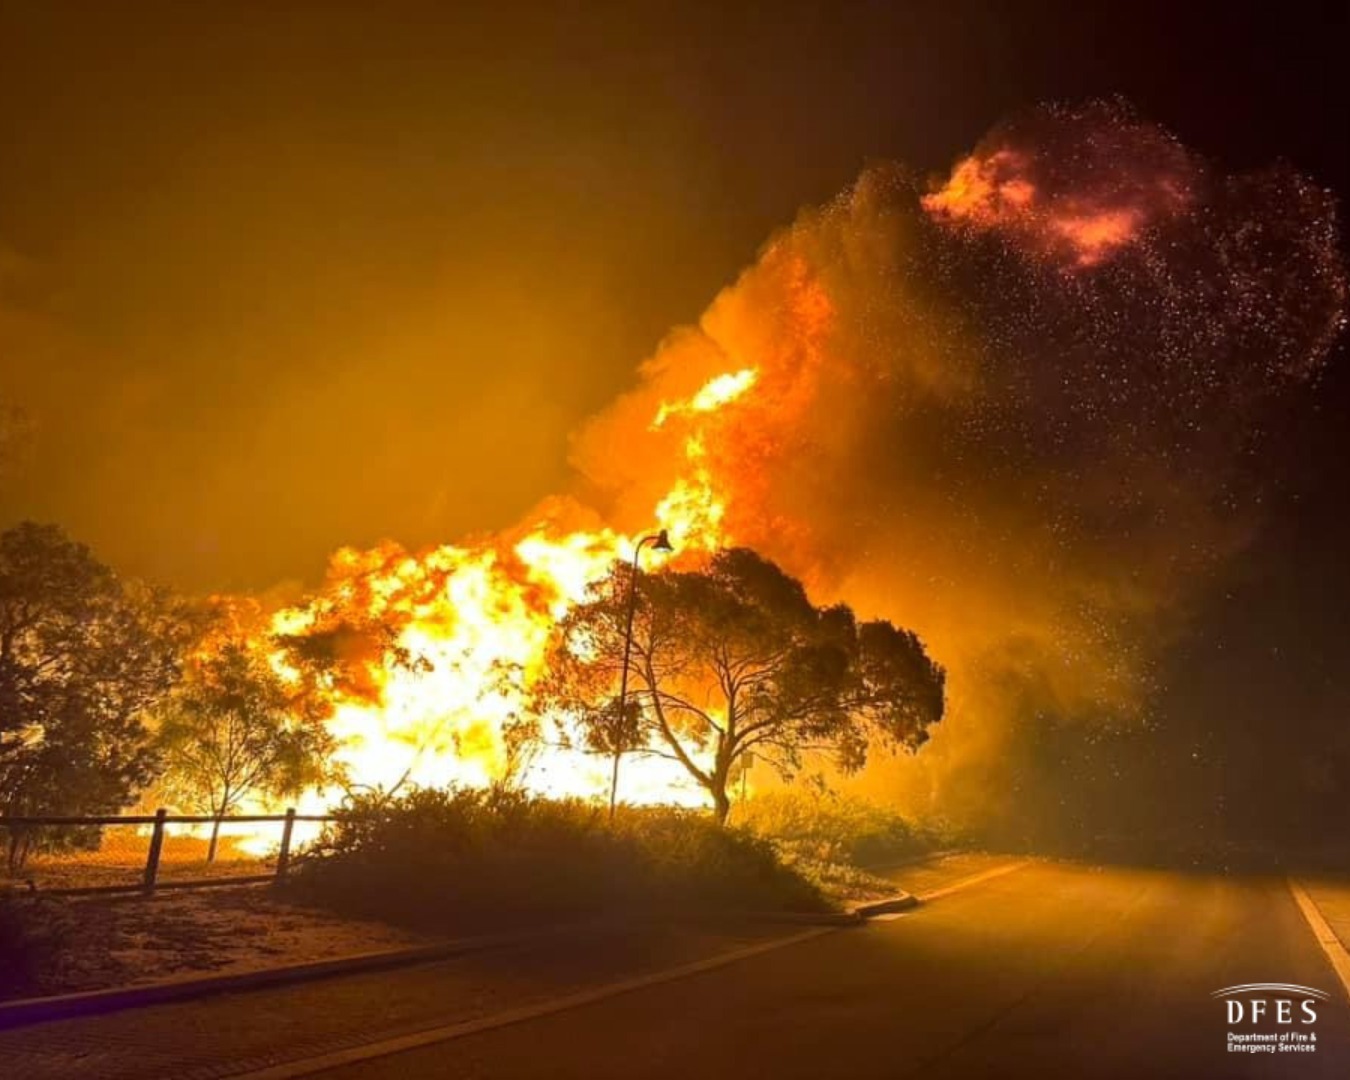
(437, 859)
(20, 951)
(25, 841)
(832, 828)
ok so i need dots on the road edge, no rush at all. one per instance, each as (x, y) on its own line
(26, 1011)
(974, 879)
(448, 1032)
(1322, 932)
(29, 1011)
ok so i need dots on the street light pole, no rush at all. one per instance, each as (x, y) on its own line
(660, 542)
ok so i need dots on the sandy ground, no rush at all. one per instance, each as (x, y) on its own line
(92, 943)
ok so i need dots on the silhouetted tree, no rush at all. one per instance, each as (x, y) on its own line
(587, 692)
(735, 659)
(82, 659)
(232, 732)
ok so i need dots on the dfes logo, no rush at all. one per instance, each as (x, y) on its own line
(1291, 1008)
(1282, 1003)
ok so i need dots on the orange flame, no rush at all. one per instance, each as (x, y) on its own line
(1000, 192)
(477, 620)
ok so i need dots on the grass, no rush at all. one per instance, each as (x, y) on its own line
(444, 859)
(832, 839)
(840, 829)
(120, 860)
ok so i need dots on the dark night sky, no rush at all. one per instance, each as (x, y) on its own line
(272, 273)
(279, 277)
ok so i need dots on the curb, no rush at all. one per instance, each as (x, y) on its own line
(27, 1011)
(912, 860)
(806, 918)
(888, 905)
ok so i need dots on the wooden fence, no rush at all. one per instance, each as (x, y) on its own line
(150, 878)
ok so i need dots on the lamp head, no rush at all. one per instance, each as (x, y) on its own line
(662, 542)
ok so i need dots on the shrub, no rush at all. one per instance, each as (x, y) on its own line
(20, 951)
(833, 828)
(440, 858)
(25, 841)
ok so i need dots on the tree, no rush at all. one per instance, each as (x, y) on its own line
(233, 732)
(732, 660)
(83, 657)
(581, 689)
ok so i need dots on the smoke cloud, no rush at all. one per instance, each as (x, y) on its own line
(1017, 409)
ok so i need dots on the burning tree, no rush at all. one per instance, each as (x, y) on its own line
(82, 658)
(234, 732)
(734, 659)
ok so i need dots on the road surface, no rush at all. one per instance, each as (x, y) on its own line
(1053, 970)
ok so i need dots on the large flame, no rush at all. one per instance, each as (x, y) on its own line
(472, 623)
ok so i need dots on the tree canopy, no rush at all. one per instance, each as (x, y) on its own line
(82, 658)
(734, 659)
(234, 731)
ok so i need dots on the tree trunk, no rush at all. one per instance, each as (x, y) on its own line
(614, 787)
(717, 782)
(215, 837)
(721, 804)
(19, 843)
(22, 841)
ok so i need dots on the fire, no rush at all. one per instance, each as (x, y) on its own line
(715, 393)
(474, 621)
(1014, 193)
(932, 436)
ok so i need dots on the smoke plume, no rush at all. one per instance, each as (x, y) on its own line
(1017, 409)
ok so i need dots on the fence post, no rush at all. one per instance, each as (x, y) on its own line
(284, 855)
(152, 858)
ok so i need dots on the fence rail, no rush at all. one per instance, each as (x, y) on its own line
(159, 820)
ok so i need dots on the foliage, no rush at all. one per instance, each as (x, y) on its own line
(443, 858)
(21, 949)
(522, 741)
(82, 659)
(734, 659)
(818, 824)
(230, 733)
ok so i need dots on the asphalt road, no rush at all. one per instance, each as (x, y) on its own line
(1051, 971)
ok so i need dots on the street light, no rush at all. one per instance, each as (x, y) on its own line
(660, 542)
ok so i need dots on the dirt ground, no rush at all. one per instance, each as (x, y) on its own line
(120, 860)
(93, 943)
(97, 942)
